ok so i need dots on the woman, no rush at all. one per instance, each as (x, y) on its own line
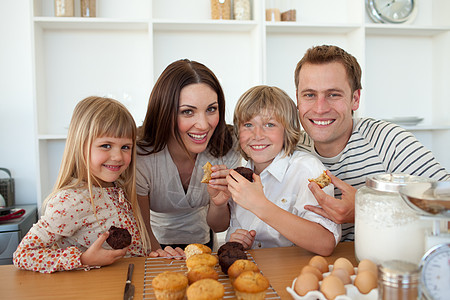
(183, 129)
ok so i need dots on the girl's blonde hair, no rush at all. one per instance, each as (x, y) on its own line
(95, 117)
(272, 102)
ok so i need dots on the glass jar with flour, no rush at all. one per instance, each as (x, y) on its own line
(386, 228)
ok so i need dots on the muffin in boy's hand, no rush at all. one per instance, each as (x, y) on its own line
(323, 180)
(247, 173)
(207, 172)
(118, 238)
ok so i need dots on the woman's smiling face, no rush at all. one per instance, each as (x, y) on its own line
(198, 116)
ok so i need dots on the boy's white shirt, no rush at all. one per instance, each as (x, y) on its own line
(285, 183)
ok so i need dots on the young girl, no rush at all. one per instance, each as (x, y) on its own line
(184, 128)
(95, 190)
(269, 211)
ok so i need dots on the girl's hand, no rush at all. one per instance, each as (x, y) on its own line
(244, 237)
(168, 252)
(96, 255)
(249, 195)
(218, 186)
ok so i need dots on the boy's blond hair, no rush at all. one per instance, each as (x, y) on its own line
(272, 102)
(95, 117)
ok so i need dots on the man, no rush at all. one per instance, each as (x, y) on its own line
(328, 84)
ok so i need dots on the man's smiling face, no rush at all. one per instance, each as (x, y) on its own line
(325, 104)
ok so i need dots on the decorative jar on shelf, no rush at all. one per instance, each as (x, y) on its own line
(221, 9)
(64, 8)
(88, 8)
(241, 9)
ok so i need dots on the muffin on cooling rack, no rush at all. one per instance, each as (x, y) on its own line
(201, 272)
(201, 259)
(240, 266)
(170, 286)
(193, 249)
(250, 285)
(205, 289)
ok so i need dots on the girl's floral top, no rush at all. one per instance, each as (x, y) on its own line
(69, 226)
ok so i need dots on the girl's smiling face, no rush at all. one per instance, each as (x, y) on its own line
(261, 138)
(198, 116)
(109, 158)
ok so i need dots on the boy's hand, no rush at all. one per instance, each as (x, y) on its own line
(96, 255)
(244, 237)
(249, 195)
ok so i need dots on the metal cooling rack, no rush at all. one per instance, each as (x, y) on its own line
(154, 266)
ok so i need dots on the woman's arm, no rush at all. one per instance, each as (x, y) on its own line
(144, 205)
(218, 217)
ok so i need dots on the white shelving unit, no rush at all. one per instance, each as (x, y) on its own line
(121, 52)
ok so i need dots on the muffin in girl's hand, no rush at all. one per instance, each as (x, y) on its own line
(250, 285)
(205, 289)
(170, 286)
(118, 238)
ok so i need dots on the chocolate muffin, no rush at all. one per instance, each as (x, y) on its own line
(118, 238)
(245, 172)
(230, 245)
(228, 257)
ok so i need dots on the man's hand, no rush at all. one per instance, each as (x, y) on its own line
(339, 211)
(246, 238)
(96, 255)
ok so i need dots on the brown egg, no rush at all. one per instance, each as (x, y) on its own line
(313, 270)
(320, 263)
(367, 264)
(365, 281)
(306, 282)
(342, 274)
(332, 287)
(343, 263)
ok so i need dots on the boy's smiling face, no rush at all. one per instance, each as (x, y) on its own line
(261, 138)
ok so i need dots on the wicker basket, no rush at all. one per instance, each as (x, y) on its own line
(7, 188)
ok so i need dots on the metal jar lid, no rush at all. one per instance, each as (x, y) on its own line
(392, 182)
(397, 273)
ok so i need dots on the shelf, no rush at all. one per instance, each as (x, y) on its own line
(404, 30)
(425, 127)
(205, 25)
(91, 23)
(296, 27)
(46, 137)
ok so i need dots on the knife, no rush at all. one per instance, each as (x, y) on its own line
(128, 294)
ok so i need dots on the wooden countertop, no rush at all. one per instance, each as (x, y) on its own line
(279, 265)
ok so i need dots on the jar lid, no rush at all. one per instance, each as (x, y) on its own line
(399, 273)
(392, 182)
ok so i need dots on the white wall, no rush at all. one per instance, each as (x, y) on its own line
(17, 136)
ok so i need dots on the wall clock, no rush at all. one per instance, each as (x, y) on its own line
(391, 11)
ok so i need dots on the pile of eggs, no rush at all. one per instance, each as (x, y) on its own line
(331, 280)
